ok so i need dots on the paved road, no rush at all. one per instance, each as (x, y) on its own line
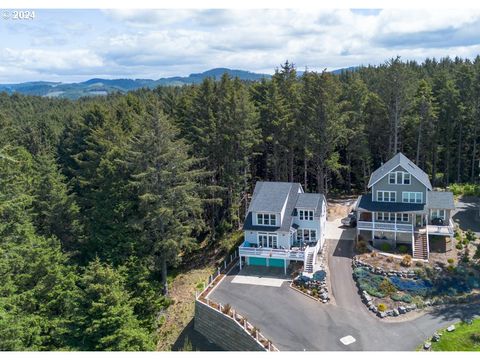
(295, 322)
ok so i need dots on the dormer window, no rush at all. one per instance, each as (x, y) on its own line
(305, 215)
(399, 178)
(266, 219)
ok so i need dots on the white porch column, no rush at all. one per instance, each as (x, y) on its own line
(373, 224)
(240, 262)
(395, 229)
(285, 266)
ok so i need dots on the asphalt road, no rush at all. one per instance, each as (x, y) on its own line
(465, 214)
(294, 322)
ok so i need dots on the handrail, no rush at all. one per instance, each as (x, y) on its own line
(384, 226)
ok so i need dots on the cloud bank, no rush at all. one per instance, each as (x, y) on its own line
(75, 45)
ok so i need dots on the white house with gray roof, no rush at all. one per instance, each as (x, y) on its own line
(402, 208)
(283, 224)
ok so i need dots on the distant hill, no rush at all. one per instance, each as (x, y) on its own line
(97, 86)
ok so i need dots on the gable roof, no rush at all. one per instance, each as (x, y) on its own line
(270, 197)
(404, 162)
(310, 201)
(440, 200)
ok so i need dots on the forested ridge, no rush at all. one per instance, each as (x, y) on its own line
(101, 197)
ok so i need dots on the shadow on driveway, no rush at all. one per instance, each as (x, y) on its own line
(466, 214)
(343, 248)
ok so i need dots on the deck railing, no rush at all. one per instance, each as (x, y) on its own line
(441, 229)
(272, 253)
(383, 226)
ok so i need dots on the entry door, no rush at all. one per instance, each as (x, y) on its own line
(418, 220)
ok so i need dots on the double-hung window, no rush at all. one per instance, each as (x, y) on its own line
(412, 197)
(266, 219)
(305, 214)
(306, 234)
(399, 178)
(438, 213)
(386, 196)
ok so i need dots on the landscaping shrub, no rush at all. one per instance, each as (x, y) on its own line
(451, 268)
(470, 236)
(385, 247)
(475, 337)
(382, 307)
(387, 287)
(450, 261)
(406, 298)
(227, 308)
(413, 287)
(403, 249)
(362, 247)
(406, 261)
(459, 246)
(369, 282)
(477, 252)
(419, 264)
(373, 254)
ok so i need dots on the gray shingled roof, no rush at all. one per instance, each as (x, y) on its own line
(269, 196)
(440, 200)
(273, 192)
(365, 203)
(310, 201)
(404, 162)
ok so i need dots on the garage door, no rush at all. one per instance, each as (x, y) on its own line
(257, 261)
(276, 262)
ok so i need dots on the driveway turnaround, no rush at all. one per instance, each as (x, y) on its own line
(294, 322)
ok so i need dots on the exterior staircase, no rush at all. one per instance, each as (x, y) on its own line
(309, 260)
(420, 246)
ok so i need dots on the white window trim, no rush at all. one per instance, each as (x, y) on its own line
(409, 197)
(383, 192)
(274, 240)
(301, 230)
(310, 214)
(438, 213)
(403, 176)
(263, 214)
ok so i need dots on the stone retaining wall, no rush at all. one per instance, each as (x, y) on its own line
(223, 330)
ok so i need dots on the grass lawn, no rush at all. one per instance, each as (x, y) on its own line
(461, 339)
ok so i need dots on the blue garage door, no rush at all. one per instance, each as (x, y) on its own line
(276, 262)
(257, 261)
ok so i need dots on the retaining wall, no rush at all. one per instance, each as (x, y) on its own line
(223, 330)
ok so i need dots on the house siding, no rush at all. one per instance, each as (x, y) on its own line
(415, 186)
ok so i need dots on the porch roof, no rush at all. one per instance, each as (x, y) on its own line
(365, 203)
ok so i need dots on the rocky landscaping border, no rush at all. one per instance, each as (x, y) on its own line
(367, 299)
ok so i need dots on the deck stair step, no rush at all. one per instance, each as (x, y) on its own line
(309, 262)
(420, 246)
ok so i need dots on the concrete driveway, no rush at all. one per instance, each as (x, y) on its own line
(335, 230)
(294, 322)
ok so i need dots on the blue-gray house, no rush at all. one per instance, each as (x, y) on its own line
(283, 224)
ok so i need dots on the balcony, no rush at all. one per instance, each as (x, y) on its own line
(384, 226)
(286, 254)
(445, 230)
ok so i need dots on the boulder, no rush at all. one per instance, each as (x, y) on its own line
(427, 345)
(436, 337)
(451, 328)
(389, 312)
(413, 306)
(382, 314)
(402, 309)
(395, 312)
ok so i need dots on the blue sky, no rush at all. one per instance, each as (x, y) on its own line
(75, 45)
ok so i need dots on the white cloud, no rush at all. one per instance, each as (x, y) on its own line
(156, 43)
